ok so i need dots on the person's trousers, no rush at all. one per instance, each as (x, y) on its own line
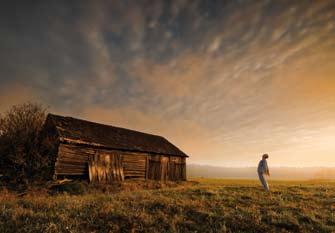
(263, 181)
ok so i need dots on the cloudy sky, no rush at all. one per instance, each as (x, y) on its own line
(223, 80)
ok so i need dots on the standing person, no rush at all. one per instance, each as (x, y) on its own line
(262, 170)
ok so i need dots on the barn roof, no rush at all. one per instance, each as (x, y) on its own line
(77, 131)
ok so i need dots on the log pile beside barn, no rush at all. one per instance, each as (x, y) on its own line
(103, 153)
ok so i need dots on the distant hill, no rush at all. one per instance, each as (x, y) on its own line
(284, 173)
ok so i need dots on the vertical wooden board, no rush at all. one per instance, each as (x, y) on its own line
(153, 167)
(111, 176)
(102, 167)
(121, 167)
(94, 171)
(179, 172)
(118, 164)
(95, 158)
(114, 168)
(164, 162)
(111, 168)
(147, 167)
(99, 167)
(117, 167)
(105, 167)
(90, 170)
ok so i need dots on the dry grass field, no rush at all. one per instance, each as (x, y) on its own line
(202, 205)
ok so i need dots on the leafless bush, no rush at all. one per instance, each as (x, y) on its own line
(20, 159)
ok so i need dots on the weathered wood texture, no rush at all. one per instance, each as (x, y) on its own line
(113, 153)
(102, 165)
(166, 168)
(134, 165)
(73, 160)
(105, 167)
(77, 131)
(177, 168)
(154, 169)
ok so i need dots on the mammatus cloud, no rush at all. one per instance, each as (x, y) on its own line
(224, 81)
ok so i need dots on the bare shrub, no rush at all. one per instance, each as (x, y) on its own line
(20, 159)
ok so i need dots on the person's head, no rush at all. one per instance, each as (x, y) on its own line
(265, 156)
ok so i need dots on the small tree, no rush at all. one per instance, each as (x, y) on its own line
(20, 127)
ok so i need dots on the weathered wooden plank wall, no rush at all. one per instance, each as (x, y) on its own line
(166, 168)
(105, 168)
(134, 165)
(154, 169)
(177, 168)
(75, 160)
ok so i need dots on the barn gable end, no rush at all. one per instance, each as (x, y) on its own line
(103, 153)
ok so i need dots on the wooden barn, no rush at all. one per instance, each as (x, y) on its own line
(103, 153)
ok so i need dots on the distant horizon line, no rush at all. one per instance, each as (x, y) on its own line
(273, 166)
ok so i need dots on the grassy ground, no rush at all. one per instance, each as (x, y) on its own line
(201, 205)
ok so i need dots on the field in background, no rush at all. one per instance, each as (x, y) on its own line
(278, 173)
(201, 205)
